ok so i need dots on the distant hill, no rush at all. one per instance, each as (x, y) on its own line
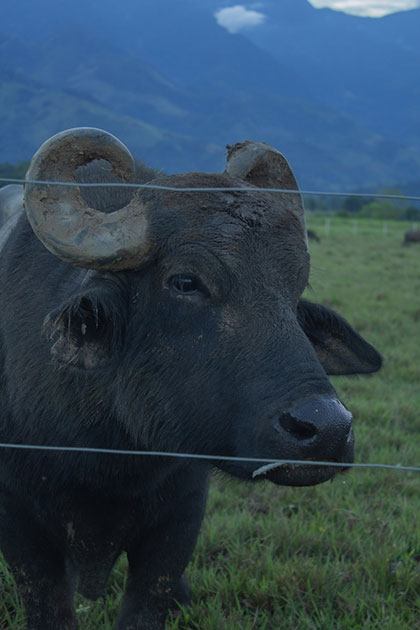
(337, 94)
(366, 68)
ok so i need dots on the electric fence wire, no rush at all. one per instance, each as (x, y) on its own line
(203, 457)
(184, 189)
(195, 456)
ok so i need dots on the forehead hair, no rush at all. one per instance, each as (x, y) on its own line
(253, 207)
(250, 234)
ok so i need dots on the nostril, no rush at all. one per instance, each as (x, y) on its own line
(300, 429)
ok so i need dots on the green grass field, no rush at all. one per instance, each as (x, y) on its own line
(344, 555)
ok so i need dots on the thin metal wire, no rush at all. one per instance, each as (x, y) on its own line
(198, 456)
(287, 191)
(195, 456)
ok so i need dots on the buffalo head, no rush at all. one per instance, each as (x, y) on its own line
(190, 303)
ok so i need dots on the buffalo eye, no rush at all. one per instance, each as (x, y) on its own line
(187, 285)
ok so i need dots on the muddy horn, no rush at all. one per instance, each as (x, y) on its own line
(61, 218)
(263, 166)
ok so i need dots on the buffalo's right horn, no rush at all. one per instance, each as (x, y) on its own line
(263, 166)
(64, 222)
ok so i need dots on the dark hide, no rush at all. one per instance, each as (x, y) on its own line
(411, 236)
(134, 360)
(10, 202)
(313, 236)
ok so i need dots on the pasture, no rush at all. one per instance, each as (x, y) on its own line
(344, 555)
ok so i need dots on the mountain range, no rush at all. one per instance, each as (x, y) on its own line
(337, 94)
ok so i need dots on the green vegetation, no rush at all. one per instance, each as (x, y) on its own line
(344, 555)
(366, 207)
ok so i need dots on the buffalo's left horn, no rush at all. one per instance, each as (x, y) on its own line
(263, 166)
(64, 222)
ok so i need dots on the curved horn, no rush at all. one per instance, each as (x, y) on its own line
(263, 166)
(64, 222)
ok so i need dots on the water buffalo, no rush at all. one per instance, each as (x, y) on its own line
(313, 236)
(162, 321)
(411, 236)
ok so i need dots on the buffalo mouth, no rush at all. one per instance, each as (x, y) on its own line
(283, 474)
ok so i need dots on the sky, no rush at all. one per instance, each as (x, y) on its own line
(238, 17)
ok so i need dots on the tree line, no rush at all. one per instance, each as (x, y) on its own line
(366, 207)
(14, 171)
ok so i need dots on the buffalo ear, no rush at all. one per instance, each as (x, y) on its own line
(87, 330)
(340, 349)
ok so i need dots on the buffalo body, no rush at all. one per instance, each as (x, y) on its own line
(192, 338)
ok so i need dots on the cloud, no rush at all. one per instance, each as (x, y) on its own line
(238, 17)
(367, 8)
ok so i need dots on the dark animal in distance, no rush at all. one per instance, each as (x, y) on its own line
(313, 236)
(411, 236)
(159, 320)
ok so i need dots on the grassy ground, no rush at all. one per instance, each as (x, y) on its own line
(343, 555)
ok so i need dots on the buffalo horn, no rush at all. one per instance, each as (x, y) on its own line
(62, 219)
(261, 165)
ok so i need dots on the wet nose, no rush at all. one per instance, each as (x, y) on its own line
(320, 426)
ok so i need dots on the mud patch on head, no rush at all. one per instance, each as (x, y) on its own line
(250, 207)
